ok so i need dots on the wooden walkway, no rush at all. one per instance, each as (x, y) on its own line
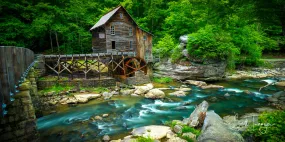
(95, 65)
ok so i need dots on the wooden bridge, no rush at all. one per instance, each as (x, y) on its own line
(115, 64)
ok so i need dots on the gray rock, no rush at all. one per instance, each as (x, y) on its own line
(152, 131)
(227, 95)
(177, 129)
(278, 94)
(183, 39)
(271, 99)
(178, 94)
(106, 138)
(214, 130)
(189, 135)
(107, 95)
(155, 94)
(127, 91)
(198, 115)
(176, 139)
(194, 70)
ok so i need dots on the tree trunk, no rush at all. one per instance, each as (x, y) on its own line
(50, 41)
(57, 42)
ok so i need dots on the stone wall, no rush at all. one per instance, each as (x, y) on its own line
(83, 83)
(20, 122)
(138, 78)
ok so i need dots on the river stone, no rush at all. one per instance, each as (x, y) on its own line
(106, 138)
(141, 90)
(264, 109)
(211, 86)
(107, 95)
(152, 131)
(98, 117)
(178, 94)
(215, 130)
(127, 92)
(176, 139)
(198, 115)
(281, 84)
(227, 95)
(196, 83)
(105, 115)
(185, 89)
(170, 134)
(84, 98)
(155, 94)
(25, 86)
(247, 92)
(177, 129)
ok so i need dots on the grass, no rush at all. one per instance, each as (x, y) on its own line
(56, 88)
(162, 79)
(96, 89)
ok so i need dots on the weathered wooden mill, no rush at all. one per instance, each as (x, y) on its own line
(121, 49)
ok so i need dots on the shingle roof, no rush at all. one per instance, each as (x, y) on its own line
(104, 19)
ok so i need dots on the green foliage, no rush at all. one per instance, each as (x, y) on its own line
(176, 54)
(164, 47)
(271, 127)
(186, 129)
(162, 79)
(171, 124)
(56, 89)
(143, 139)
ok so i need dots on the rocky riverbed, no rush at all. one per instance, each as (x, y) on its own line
(116, 117)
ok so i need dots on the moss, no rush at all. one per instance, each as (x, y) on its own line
(53, 78)
(162, 79)
(56, 88)
(143, 139)
(96, 89)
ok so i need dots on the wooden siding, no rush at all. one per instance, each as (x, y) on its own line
(144, 48)
(98, 44)
(121, 37)
(13, 63)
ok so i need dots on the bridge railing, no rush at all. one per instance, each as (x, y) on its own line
(14, 65)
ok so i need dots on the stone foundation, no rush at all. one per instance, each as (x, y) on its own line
(83, 83)
(20, 122)
(139, 78)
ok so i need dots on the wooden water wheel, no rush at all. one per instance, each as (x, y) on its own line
(134, 64)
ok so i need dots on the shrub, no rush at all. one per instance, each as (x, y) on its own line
(162, 79)
(271, 127)
(164, 47)
(176, 54)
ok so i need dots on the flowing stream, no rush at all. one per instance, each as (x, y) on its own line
(125, 113)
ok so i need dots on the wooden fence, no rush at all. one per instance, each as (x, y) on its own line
(14, 63)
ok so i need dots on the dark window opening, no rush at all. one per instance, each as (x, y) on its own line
(131, 45)
(113, 45)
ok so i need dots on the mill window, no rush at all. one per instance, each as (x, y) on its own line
(130, 31)
(112, 30)
(121, 15)
(131, 45)
(144, 37)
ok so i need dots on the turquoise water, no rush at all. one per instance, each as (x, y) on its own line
(126, 113)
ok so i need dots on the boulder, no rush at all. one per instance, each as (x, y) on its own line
(107, 95)
(196, 83)
(271, 99)
(140, 90)
(183, 39)
(211, 86)
(227, 95)
(278, 94)
(198, 115)
(178, 94)
(177, 129)
(98, 117)
(155, 94)
(170, 134)
(126, 92)
(25, 86)
(153, 131)
(215, 130)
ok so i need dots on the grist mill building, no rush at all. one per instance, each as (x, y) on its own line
(117, 31)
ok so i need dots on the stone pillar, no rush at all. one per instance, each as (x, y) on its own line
(39, 66)
(20, 122)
